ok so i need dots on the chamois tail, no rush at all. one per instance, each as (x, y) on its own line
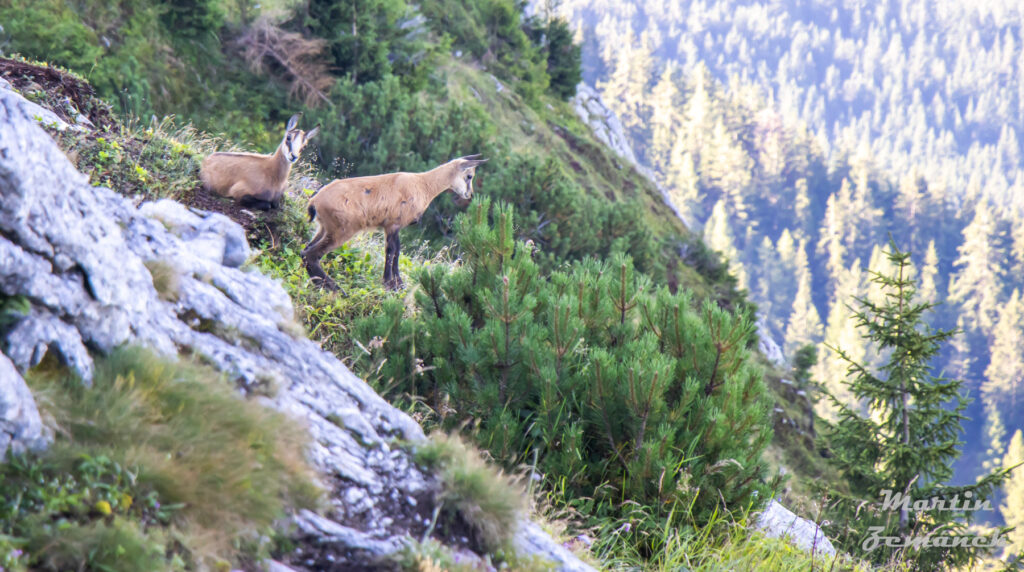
(312, 212)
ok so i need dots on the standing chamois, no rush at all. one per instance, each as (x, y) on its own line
(389, 202)
(255, 180)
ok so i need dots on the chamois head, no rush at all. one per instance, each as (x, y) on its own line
(462, 182)
(295, 139)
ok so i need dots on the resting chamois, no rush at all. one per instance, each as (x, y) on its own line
(255, 180)
(389, 202)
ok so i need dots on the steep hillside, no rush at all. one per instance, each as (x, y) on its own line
(84, 273)
(483, 99)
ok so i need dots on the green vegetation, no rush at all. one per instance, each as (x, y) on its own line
(12, 309)
(159, 466)
(160, 160)
(579, 328)
(432, 556)
(147, 59)
(166, 279)
(907, 441)
(637, 403)
(723, 544)
(487, 501)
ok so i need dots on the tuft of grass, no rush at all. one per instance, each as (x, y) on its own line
(119, 545)
(293, 328)
(723, 544)
(488, 501)
(158, 161)
(230, 467)
(430, 556)
(166, 279)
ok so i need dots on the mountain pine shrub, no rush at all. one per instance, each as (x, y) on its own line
(640, 403)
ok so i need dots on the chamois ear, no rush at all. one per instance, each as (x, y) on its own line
(470, 157)
(313, 132)
(471, 163)
(293, 121)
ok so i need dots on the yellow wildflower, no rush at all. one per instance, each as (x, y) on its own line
(103, 507)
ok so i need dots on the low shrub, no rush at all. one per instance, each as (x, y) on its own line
(630, 394)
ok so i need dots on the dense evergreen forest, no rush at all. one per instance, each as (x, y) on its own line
(803, 134)
(568, 321)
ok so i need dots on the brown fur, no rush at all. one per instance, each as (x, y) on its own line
(391, 202)
(253, 179)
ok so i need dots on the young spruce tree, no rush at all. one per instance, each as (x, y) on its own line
(897, 454)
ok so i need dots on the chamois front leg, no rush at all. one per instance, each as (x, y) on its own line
(394, 264)
(387, 262)
(392, 279)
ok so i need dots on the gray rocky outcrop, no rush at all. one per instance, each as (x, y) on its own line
(767, 344)
(212, 236)
(608, 129)
(603, 122)
(21, 428)
(82, 257)
(777, 521)
(39, 113)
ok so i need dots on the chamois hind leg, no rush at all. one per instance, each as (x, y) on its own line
(320, 234)
(314, 252)
(311, 256)
(263, 201)
(392, 279)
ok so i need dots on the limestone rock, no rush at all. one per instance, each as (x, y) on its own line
(767, 344)
(212, 236)
(603, 121)
(21, 428)
(40, 332)
(608, 129)
(35, 111)
(778, 521)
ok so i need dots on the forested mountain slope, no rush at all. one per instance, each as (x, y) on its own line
(937, 85)
(803, 134)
